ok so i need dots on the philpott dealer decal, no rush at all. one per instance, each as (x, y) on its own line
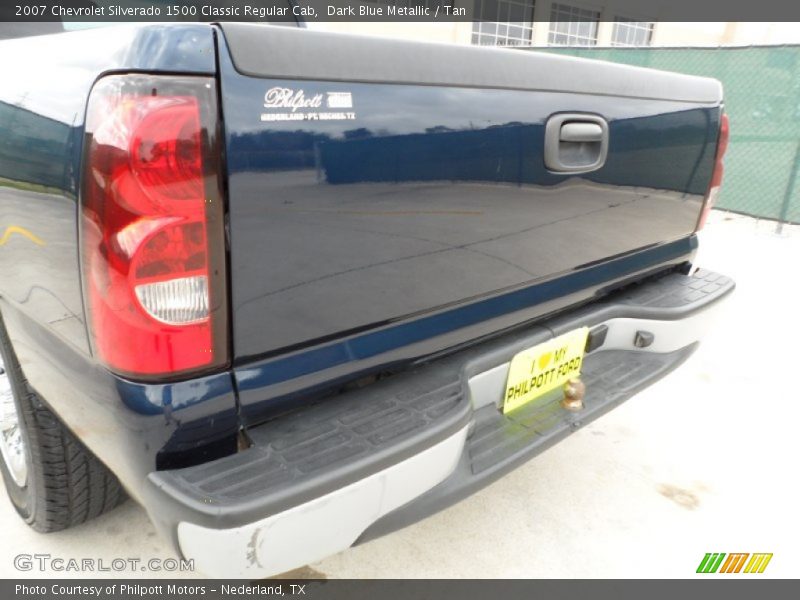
(288, 104)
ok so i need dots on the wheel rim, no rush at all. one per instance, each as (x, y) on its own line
(12, 446)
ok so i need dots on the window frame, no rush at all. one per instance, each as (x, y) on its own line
(632, 24)
(504, 32)
(568, 32)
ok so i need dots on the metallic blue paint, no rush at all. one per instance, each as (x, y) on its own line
(393, 337)
(430, 220)
(273, 385)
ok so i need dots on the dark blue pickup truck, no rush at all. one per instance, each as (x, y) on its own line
(292, 290)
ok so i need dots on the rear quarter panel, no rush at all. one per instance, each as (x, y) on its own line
(46, 84)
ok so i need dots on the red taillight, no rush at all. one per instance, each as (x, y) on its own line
(716, 176)
(152, 226)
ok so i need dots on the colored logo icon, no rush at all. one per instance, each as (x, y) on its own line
(717, 562)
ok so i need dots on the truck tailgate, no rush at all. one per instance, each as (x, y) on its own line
(377, 182)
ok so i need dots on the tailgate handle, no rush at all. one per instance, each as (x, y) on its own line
(575, 142)
(581, 132)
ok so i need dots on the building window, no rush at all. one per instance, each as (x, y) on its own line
(572, 26)
(513, 25)
(628, 32)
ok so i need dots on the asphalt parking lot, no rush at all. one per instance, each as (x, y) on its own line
(704, 461)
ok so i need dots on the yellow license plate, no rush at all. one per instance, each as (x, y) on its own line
(543, 368)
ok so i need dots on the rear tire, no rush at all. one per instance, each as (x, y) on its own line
(61, 483)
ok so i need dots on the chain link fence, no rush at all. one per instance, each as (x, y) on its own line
(762, 99)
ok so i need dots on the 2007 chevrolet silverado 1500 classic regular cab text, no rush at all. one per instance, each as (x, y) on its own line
(293, 290)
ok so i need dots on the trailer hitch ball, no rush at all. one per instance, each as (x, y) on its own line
(574, 391)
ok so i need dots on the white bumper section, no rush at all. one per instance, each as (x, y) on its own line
(321, 527)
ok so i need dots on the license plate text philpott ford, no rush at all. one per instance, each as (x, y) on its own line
(546, 366)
